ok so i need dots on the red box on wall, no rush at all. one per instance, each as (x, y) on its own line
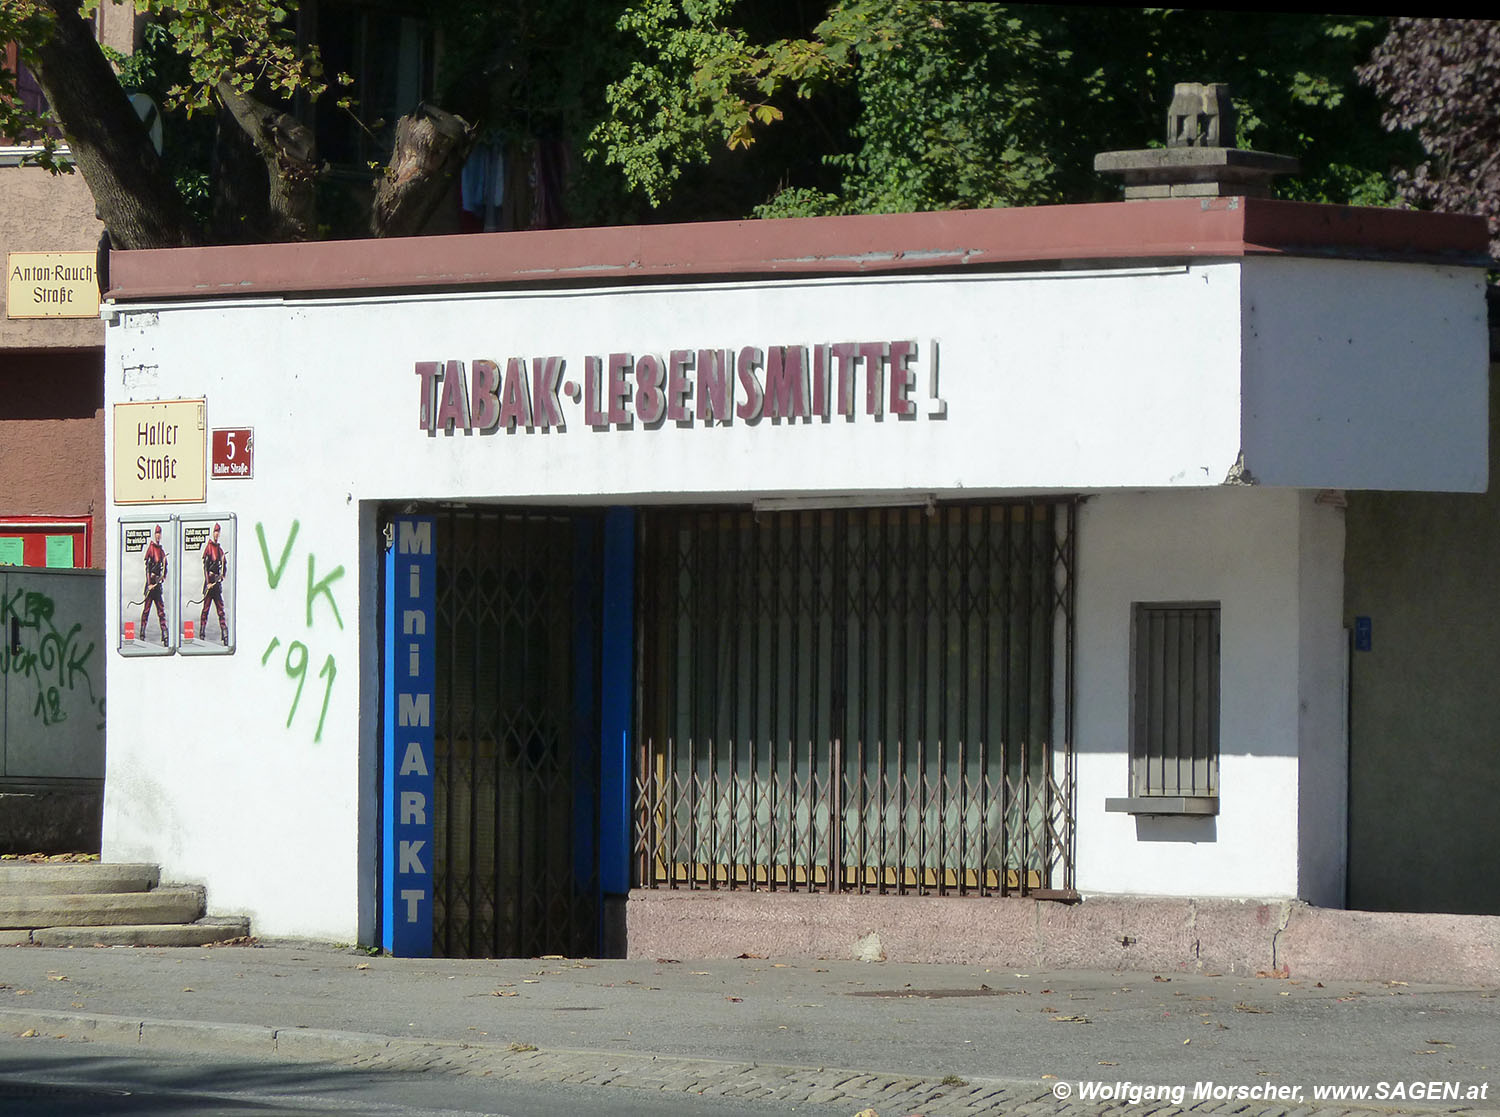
(232, 454)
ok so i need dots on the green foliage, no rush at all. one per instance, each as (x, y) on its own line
(663, 114)
(250, 45)
(155, 68)
(953, 107)
(533, 71)
(922, 104)
(798, 201)
(25, 22)
(695, 109)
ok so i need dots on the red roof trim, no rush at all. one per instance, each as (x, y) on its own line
(869, 244)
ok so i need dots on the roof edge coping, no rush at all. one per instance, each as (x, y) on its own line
(865, 244)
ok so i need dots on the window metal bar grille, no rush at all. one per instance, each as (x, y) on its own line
(515, 865)
(869, 700)
(1175, 723)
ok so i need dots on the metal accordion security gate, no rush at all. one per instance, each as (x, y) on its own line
(867, 700)
(516, 772)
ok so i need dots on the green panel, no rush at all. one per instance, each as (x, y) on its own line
(60, 551)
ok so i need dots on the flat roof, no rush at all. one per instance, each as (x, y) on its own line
(1165, 230)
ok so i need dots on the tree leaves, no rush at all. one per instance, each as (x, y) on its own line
(931, 105)
(1437, 78)
(242, 43)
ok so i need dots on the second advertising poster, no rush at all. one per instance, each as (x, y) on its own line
(206, 576)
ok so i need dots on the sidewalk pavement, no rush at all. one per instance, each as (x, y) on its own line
(896, 1038)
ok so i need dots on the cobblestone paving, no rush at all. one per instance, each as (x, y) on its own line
(887, 1095)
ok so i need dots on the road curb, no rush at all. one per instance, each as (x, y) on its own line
(209, 1038)
(72, 1025)
(819, 1085)
(314, 1045)
(889, 1093)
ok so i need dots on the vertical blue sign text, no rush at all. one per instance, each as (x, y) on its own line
(406, 903)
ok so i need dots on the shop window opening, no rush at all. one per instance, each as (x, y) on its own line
(49, 541)
(864, 700)
(1174, 709)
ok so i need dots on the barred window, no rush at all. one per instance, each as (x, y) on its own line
(857, 699)
(1174, 737)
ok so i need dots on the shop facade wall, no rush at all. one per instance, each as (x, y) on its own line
(1051, 383)
(215, 769)
(52, 437)
(46, 213)
(331, 393)
(1244, 548)
(1424, 708)
(51, 369)
(51, 458)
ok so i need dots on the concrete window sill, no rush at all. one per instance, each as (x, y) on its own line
(13, 156)
(1165, 804)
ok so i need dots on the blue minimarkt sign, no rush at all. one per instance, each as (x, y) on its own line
(410, 610)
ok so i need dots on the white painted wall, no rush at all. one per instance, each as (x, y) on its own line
(1060, 382)
(1365, 375)
(1050, 382)
(1243, 547)
(203, 772)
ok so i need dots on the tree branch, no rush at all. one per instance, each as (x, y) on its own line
(134, 195)
(290, 153)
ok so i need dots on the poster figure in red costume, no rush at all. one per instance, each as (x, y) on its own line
(215, 568)
(156, 577)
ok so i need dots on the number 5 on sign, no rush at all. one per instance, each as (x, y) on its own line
(232, 454)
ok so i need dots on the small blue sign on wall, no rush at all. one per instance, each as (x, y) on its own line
(410, 692)
(1361, 634)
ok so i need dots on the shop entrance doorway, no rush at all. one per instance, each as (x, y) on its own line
(515, 733)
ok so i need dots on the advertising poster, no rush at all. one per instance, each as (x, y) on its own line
(148, 586)
(207, 566)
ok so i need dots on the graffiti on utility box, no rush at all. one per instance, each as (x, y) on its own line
(51, 674)
(43, 651)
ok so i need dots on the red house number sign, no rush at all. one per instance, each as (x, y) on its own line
(233, 454)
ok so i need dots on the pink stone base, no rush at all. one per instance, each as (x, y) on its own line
(1109, 932)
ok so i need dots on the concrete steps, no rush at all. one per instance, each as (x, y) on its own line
(201, 932)
(27, 878)
(88, 904)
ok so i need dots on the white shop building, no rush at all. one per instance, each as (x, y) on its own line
(973, 556)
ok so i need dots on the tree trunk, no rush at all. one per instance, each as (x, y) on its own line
(134, 195)
(431, 146)
(290, 153)
(238, 186)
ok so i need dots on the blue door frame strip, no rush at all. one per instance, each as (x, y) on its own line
(617, 688)
(410, 695)
(585, 735)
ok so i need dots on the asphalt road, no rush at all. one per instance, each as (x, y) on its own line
(52, 1078)
(752, 1028)
(910, 1019)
